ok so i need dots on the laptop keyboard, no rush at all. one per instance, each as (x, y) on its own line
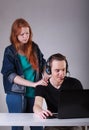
(55, 115)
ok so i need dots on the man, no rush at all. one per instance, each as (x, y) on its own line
(57, 67)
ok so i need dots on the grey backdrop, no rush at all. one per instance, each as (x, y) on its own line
(57, 25)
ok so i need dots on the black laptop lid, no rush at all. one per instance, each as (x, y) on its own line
(73, 104)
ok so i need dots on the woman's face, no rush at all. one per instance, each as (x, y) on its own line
(23, 37)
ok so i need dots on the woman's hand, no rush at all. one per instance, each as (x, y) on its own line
(41, 82)
(46, 76)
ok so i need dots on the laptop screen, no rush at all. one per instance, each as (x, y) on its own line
(73, 104)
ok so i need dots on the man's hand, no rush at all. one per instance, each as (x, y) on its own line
(45, 113)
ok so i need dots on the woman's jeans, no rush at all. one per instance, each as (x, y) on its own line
(16, 104)
(29, 109)
(20, 104)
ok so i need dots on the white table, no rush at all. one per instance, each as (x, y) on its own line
(25, 119)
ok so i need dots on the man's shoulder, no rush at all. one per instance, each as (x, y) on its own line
(71, 79)
(73, 82)
(40, 87)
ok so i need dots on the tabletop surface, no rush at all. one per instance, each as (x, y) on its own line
(30, 119)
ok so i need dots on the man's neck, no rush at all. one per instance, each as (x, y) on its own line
(55, 84)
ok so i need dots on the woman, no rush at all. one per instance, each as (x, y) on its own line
(22, 68)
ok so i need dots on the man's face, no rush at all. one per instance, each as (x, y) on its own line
(58, 71)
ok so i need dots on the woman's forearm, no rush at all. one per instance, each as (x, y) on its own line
(21, 81)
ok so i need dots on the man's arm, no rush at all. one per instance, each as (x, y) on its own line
(38, 104)
(38, 108)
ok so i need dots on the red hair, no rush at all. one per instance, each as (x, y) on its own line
(28, 51)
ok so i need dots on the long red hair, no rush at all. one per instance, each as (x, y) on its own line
(28, 50)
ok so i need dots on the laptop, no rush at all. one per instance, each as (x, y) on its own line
(73, 104)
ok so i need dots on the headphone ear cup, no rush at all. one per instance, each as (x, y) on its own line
(67, 67)
(48, 69)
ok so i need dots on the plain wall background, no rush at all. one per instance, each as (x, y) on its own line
(57, 25)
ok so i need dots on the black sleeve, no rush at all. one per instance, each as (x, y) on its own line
(39, 91)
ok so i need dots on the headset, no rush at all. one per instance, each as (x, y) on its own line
(48, 67)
